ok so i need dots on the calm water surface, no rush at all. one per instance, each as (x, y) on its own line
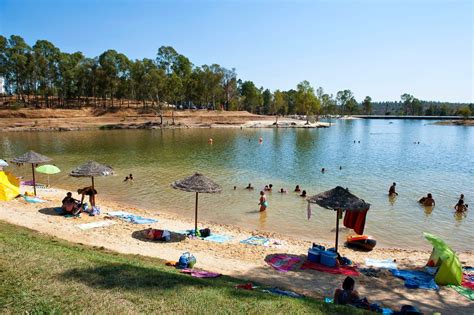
(442, 164)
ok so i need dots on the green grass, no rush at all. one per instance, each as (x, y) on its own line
(44, 275)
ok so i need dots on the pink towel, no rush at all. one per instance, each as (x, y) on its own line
(200, 273)
(338, 270)
(283, 263)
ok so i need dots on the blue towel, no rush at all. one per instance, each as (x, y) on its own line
(59, 210)
(33, 199)
(415, 279)
(283, 292)
(218, 238)
(132, 218)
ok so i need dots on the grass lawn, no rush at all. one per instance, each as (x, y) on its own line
(40, 274)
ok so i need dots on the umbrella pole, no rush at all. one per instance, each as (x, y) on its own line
(34, 181)
(196, 215)
(92, 193)
(337, 228)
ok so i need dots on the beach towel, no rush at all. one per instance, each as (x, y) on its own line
(97, 224)
(283, 292)
(468, 293)
(200, 273)
(33, 199)
(282, 262)
(256, 240)
(218, 238)
(468, 281)
(338, 270)
(378, 263)
(416, 279)
(132, 218)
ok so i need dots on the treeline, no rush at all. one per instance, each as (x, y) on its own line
(43, 76)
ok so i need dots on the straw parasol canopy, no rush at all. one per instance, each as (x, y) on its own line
(339, 199)
(92, 169)
(32, 158)
(197, 183)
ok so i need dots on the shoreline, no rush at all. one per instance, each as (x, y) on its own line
(233, 258)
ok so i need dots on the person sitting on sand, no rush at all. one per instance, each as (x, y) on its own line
(303, 194)
(249, 187)
(391, 190)
(297, 188)
(282, 191)
(347, 295)
(263, 202)
(427, 201)
(460, 206)
(70, 205)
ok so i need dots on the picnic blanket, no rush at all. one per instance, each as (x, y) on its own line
(468, 293)
(33, 199)
(282, 262)
(283, 292)
(338, 270)
(381, 263)
(217, 238)
(200, 273)
(468, 281)
(256, 240)
(132, 218)
(416, 279)
(97, 224)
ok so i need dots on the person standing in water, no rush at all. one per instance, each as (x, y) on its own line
(263, 201)
(391, 190)
(427, 201)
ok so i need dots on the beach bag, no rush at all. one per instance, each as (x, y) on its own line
(187, 260)
(205, 232)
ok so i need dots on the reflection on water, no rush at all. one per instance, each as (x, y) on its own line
(442, 164)
(428, 210)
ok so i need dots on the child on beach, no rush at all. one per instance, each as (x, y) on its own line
(347, 295)
(263, 202)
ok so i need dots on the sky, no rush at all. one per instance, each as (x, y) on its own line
(378, 48)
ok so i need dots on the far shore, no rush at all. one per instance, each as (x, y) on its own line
(245, 262)
(131, 118)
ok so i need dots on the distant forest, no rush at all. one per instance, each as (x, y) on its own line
(42, 76)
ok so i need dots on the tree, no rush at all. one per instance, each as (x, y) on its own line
(280, 103)
(306, 102)
(367, 105)
(267, 101)
(345, 99)
(251, 96)
(229, 84)
(465, 112)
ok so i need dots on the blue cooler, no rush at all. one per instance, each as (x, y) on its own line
(328, 258)
(314, 255)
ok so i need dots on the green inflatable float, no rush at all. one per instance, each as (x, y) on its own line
(450, 270)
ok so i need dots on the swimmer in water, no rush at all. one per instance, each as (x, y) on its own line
(323, 170)
(303, 194)
(460, 206)
(263, 202)
(391, 190)
(297, 188)
(282, 191)
(249, 187)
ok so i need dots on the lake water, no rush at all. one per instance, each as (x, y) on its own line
(442, 164)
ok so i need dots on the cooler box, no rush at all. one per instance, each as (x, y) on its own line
(314, 255)
(328, 258)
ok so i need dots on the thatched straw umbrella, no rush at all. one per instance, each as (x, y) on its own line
(92, 169)
(339, 199)
(197, 183)
(32, 158)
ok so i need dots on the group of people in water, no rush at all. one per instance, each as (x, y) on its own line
(428, 200)
(263, 203)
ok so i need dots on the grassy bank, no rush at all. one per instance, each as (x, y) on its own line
(41, 274)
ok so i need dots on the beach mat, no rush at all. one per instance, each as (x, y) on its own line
(93, 225)
(283, 292)
(256, 240)
(217, 238)
(339, 270)
(381, 263)
(466, 292)
(131, 218)
(282, 262)
(200, 273)
(33, 199)
(416, 279)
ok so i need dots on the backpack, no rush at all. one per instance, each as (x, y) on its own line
(187, 260)
(205, 232)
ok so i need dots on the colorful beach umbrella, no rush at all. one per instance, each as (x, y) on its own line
(339, 199)
(32, 158)
(197, 183)
(48, 169)
(92, 169)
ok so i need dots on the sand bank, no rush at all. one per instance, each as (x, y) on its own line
(233, 258)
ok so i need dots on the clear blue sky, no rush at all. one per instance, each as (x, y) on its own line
(377, 48)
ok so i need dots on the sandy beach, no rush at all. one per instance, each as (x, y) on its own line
(238, 260)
